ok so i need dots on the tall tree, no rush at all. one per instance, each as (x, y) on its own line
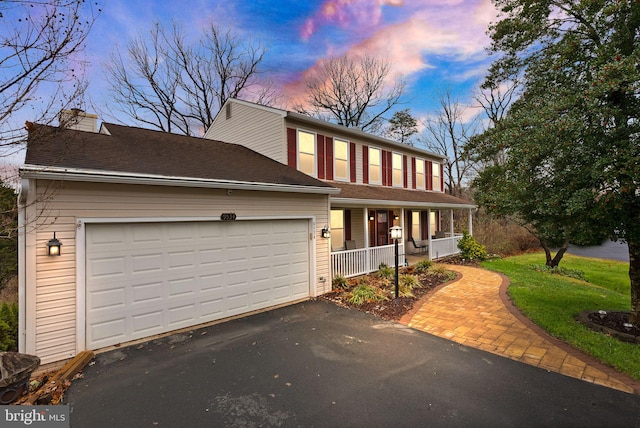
(571, 140)
(40, 69)
(447, 132)
(402, 127)
(352, 93)
(174, 86)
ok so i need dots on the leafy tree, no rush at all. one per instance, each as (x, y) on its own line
(571, 142)
(174, 86)
(352, 93)
(402, 126)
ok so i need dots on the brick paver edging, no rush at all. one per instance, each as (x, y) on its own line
(475, 310)
(515, 311)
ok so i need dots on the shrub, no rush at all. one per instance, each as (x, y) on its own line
(423, 266)
(471, 249)
(558, 270)
(8, 327)
(441, 270)
(386, 272)
(365, 293)
(409, 281)
(340, 282)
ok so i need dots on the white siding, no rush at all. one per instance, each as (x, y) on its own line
(257, 128)
(51, 297)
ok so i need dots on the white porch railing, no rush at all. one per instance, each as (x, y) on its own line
(364, 260)
(444, 246)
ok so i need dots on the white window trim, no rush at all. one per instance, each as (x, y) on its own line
(424, 174)
(379, 181)
(335, 159)
(315, 150)
(393, 170)
(433, 177)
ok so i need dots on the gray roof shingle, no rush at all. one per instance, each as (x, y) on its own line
(149, 152)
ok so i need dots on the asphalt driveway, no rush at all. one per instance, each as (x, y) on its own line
(315, 364)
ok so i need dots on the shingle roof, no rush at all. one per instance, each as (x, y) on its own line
(148, 152)
(392, 194)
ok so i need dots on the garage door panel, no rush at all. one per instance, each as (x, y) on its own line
(144, 279)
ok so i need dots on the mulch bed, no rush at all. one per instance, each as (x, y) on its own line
(613, 323)
(392, 309)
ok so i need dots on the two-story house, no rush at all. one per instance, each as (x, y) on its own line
(382, 183)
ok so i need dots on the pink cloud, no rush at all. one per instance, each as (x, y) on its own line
(455, 29)
(347, 12)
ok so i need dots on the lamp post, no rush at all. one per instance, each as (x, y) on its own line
(396, 234)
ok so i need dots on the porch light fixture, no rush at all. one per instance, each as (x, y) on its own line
(371, 217)
(396, 234)
(53, 246)
(396, 217)
(326, 233)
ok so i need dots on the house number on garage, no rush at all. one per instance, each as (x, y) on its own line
(228, 216)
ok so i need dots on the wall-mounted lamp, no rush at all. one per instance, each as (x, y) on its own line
(396, 217)
(326, 233)
(371, 217)
(53, 246)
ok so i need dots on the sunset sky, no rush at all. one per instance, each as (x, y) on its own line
(432, 44)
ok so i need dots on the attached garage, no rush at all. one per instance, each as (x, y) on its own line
(159, 232)
(149, 278)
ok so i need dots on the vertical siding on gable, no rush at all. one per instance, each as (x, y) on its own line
(253, 127)
(51, 298)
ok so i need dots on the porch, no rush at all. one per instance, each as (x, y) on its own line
(362, 261)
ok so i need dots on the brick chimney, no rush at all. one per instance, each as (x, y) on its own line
(79, 120)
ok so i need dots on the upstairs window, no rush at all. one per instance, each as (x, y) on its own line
(341, 160)
(420, 182)
(307, 153)
(375, 166)
(398, 175)
(436, 177)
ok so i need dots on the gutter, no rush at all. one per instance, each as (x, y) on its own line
(404, 204)
(98, 176)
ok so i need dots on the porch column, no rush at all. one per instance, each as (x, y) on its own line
(429, 233)
(471, 221)
(451, 225)
(404, 236)
(366, 227)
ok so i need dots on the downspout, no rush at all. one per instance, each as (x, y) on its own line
(22, 271)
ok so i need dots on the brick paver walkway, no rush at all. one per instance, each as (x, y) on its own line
(473, 311)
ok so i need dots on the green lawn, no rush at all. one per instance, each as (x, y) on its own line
(554, 301)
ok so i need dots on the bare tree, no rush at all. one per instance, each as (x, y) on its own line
(496, 101)
(352, 93)
(447, 133)
(39, 65)
(174, 86)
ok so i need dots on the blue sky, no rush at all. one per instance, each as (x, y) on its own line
(432, 44)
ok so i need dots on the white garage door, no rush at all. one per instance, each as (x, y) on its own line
(148, 278)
